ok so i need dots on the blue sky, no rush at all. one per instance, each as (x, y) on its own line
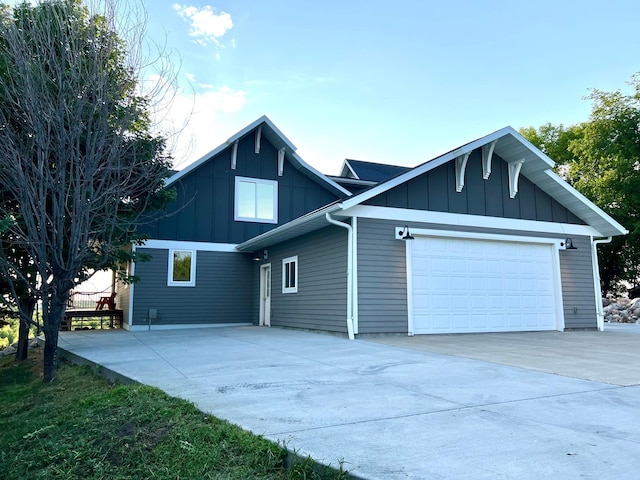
(394, 82)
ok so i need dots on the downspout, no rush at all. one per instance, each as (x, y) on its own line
(596, 280)
(349, 272)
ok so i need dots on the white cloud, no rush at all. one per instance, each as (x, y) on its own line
(193, 121)
(207, 26)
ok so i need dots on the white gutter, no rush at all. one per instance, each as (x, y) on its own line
(349, 272)
(596, 280)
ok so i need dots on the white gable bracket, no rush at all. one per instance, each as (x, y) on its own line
(281, 161)
(234, 155)
(258, 138)
(487, 154)
(461, 166)
(514, 175)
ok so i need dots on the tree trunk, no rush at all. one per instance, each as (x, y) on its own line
(51, 328)
(23, 331)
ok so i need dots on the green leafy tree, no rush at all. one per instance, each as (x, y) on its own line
(78, 158)
(601, 159)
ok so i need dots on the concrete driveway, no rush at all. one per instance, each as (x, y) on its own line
(401, 411)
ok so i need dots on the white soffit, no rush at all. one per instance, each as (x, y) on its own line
(512, 147)
(277, 139)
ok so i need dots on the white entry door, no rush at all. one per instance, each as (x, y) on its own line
(265, 295)
(463, 285)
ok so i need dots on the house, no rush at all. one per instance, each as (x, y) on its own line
(485, 238)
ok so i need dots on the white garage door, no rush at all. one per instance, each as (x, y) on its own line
(469, 285)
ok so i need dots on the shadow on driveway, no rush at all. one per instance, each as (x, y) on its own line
(612, 356)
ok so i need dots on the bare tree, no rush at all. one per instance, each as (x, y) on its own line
(77, 153)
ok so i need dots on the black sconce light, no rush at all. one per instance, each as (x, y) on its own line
(568, 244)
(405, 234)
(257, 256)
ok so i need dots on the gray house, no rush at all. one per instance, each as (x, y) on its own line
(485, 238)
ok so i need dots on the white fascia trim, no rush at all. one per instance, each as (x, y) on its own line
(225, 145)
(425, 167)
(409, 268)
(354, 275)
(234, 138)
(477, 236)
(348, 165)
(250, 244)
(459, 219)
(321, 176)
(539, 153)
(353, 181)
(195, 246)
(588, 203)
(557, 285)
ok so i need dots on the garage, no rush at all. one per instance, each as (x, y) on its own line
(490, 284)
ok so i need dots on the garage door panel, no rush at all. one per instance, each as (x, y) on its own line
(470, 285)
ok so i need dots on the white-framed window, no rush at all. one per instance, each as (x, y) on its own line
(290, 275)
(182, 268)
(256, 200)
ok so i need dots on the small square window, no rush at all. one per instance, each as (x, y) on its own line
(182, 268)
(290, 275)
(256, 200)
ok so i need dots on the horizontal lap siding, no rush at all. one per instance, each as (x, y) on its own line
(382, 278)
(382, 285)
(578, 291)
(321, 300)
(224, 290)
(123, 299)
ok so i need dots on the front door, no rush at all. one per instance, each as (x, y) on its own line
(265, 295)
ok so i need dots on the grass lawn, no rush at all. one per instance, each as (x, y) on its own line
(82, 427)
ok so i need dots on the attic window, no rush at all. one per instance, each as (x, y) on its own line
(256, 200)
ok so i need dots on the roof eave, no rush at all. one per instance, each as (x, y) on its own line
(609, 226)
(287, 231)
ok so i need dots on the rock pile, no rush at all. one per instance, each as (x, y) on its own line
(621, 310)
(11, 349)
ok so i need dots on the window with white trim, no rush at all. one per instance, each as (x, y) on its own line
(290, 275)
(256, 200)
(182, 268)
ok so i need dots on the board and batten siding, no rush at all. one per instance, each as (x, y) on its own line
(204, 208)
(224, 292)
(321, 300)
(436, 191)
(382, 276)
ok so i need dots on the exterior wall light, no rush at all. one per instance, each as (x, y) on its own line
(405, 234)
(568, 244)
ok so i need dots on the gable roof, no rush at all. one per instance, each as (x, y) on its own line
(370, 171)
(510, 145)
(278, 140)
